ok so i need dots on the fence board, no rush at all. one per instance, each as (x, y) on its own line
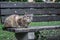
(41, 18)
(26, 4)
(34, 11)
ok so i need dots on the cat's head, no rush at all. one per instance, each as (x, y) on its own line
(28, 17)
(25, 20)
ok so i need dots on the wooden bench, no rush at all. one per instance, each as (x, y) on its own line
(47, 12)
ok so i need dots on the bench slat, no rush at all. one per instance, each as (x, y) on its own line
(26, 4)
(41, 18)
(32, 29)
(34, 11)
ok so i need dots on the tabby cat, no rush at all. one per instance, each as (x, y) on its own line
(18, 21)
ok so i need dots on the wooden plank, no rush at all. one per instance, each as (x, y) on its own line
(41, 18)
(34, 11)
(26, 4)
(32, 29)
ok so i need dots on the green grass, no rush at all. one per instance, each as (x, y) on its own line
(45, 23)
(5, 35)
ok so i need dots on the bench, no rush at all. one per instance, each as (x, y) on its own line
(47, 12)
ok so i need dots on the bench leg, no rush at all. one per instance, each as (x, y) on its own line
(25, 36)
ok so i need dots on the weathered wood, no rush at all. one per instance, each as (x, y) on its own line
(41, 18)
(32, 29)
(28, 5)
(34, 11)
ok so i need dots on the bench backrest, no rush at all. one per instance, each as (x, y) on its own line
(46, 11)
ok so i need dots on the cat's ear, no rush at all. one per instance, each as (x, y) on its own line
(28, 14)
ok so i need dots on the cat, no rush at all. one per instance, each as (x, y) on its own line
(18, 21)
